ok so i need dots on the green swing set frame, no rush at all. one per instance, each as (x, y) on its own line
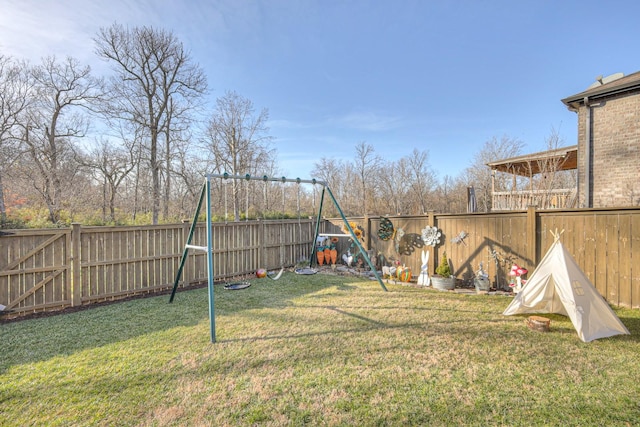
(205, 194)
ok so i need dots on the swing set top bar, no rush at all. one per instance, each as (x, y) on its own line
(267, 178)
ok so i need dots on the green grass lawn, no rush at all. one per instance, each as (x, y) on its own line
(317, 350)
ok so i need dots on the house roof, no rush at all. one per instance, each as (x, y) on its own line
(532, 164)
(595, 91)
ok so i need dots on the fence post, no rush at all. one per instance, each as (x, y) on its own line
(76, 284)
(532, 233)
(187, 273)
(261, 239)
(433, 264)
(367, 242)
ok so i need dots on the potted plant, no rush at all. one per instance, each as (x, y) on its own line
(443, 279)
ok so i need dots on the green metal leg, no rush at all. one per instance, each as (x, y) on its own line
(185, 252)
(355, 239)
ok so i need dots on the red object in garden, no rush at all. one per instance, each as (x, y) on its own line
(261, 273)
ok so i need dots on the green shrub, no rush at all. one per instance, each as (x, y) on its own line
(443, 269)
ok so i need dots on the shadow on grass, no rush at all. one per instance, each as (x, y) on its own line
(559, 324)
(631, 319)
(371, 324)
(41, 338)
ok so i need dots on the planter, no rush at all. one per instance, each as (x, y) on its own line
(443, 283)
(482, 285)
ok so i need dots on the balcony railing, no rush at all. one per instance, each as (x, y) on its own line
(543, 199)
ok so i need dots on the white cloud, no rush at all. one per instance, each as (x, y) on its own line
(33, 29)
(367, 121)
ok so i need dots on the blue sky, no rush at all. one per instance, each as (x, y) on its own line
(441, 76)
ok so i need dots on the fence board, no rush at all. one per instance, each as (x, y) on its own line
(624, 256)
(613, 260)
(590, 248)
(601, 254)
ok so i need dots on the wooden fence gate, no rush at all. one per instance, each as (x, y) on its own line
(35, 268)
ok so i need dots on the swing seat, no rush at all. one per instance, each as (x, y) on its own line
(237, 286)
(306, 271)
(277, 276)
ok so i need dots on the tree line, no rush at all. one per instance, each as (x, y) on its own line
(158, 138)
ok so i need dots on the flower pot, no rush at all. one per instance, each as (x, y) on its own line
(320, 256)
(443, 283)
(482, 285)
(334, 256)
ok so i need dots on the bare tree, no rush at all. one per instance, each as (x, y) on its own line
(177, 137)
(422, 180)
(331, 171)
(52, 122)
(15, 85)
(367, 166)
(153, 72)
(394, 190)
(111, 164)
(450, 195)
(238, 142)
(479, 173)
(189, 169)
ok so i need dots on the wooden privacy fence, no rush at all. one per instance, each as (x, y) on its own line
(52, 269)
(604, 242)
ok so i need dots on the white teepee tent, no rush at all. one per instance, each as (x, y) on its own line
(558, 285)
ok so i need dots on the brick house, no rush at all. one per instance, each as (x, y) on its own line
(607, 156)
(608, 141)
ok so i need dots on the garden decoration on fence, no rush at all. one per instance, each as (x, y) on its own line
(460, 238)
(206, 194)
(405, 243)
(431, 236)
(500, 259)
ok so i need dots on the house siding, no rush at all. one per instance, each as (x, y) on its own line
(615, 150)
